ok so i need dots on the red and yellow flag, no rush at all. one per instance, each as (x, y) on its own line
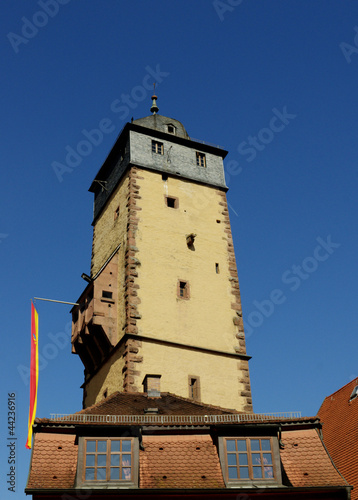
(34, 372)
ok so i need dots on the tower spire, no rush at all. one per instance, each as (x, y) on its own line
(154, 108)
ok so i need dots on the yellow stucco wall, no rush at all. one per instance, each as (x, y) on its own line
(206, 319)
(219, 375)
(108, 233)
(107, 379)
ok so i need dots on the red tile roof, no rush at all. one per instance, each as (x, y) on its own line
(306, 462)
(339, 416)
(179, 462)
(182, 461)
(176, 461)
(54, 461)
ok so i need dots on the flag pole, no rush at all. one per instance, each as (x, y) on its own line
(58, 301)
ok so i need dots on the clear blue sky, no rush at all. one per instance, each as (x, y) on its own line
(270, 82)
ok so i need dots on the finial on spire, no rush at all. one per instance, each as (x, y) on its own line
(154, 109)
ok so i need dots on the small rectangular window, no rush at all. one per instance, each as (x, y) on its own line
(171, 202)
(249, 459)
(157, 147)
(108, 460)
(183, 289)
(217, 268)
(200, 159)
(106, 295)
(194, 387)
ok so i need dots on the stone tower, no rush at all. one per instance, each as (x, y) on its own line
(162, 307)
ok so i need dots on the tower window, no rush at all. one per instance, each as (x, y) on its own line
(172, 201)
(194, 387)
(157, 147)
(183, 289)
(190, 238)
(116, 213)
(106, 295)
(200, 159)
(217, 268)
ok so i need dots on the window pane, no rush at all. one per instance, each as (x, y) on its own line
(268, 472)
(243, 459)
(241, 445)
(126, 461)
(230, 445)
(89, 474)
(114, 473)
(91, 446)
(115, 446)
(256, 459)
(231, 458)
(265, 445)
(90, 460)
(257, 472)
(244, 473)
(101, 474)
(267, 458)
(255, 444)
(233, 473)
(126, 473)
(101, 460)
(115, 460)
(126, 446)
(102, 446)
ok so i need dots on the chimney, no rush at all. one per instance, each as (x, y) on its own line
(151, 385)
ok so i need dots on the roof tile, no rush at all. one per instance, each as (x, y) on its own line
(339, 416)
(54, 461)
(306, 461)
(179, 462)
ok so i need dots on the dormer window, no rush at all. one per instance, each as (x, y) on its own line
(171, 129)
(108, 460)
(354, 393)
(250, 459)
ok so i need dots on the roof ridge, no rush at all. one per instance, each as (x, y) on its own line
(145, 394)
(343, 386)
